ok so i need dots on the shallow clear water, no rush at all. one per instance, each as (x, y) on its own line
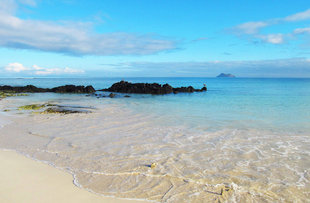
(249, 136)
(274, 104)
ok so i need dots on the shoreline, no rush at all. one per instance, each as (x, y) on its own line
(24, 179)
(109, 153)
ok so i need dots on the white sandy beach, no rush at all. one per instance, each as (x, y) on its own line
(23, 180)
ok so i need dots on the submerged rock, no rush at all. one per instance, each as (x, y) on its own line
(59, 110)
(112, 95)
(148, 88)
(32, 107)
(5, 94)
(48, 108)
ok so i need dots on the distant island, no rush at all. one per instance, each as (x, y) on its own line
(225, 75)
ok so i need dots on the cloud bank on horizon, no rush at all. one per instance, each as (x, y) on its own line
(40, 71)
(260, 68)
(131, 42)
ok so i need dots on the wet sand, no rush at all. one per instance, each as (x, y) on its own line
(111, 150)
(24, 180)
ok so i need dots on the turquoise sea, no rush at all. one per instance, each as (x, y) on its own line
(278, 104)
(244, 140)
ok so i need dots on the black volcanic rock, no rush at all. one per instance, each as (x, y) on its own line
(28, 88)
(60, 89)
(225, 75)
(73, 89)
(184, 89)
(149, 88)
(140, 88)
(204, 89)
(111, 95)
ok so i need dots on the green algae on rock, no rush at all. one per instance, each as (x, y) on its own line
(5, 94)
(59, 110)
(49, 108)
(32, 107)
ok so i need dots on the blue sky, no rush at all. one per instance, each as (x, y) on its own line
(100, 38)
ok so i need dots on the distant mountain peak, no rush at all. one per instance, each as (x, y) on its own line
(226, 75)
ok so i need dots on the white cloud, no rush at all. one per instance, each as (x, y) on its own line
(7, 6)
(200, 39)
(71, 70)
(37, 70)
(302, 30)
(36, 67)
(57, 71)
(15, 67)
(252, 29)
(305, 15)
(273, 38)
(75, 38)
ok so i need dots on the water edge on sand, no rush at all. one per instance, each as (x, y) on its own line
(111, 150)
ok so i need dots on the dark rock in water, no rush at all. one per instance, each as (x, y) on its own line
(49, 108)
(204, 89)
(148, 88)
(184, 89)
(126, 96)
(28, 88)
(112, 95)
(73, 89)
(226, 75)
(5, 94)
(60, 89)
(31, 107)
(74, 106)
(89, 89)
(140, 88)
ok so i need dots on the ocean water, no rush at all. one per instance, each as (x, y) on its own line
(274, 104)
(244, 140)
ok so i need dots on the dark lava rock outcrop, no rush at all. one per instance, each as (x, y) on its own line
(60, 89)
(73, 89)
(149, 88)
(28, 88)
